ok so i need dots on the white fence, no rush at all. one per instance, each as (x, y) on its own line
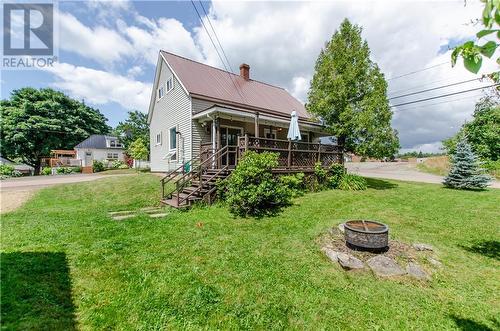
(141, 164)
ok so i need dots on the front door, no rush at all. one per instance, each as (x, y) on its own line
(229, 137)
(88, 159)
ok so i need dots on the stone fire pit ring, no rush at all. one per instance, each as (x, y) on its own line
(366, 234)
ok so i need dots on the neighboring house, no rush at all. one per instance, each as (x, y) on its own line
(99, 148)
(21, 167)
(195, 106)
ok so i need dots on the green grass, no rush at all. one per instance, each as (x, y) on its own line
(66, 265)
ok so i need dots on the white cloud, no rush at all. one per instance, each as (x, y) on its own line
(100, 87)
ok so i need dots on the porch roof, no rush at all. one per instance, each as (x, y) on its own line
(245, 115)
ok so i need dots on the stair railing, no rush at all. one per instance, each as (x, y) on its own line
(187, 177)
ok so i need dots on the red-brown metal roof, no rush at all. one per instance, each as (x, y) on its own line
(204, 80)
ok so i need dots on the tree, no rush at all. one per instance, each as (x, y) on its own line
(465, 172)
(482, 132)
(135, 126)
(471, 51)
(35, 121)
(349, 93)
(138, 149)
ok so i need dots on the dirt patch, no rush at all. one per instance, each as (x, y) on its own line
(12, 200)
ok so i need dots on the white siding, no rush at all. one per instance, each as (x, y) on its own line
(98, 154)
(174, 109)
(199, 133)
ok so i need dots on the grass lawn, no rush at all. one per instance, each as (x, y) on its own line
(66, 265)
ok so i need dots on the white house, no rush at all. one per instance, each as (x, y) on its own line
(194, 105)
(100, 148)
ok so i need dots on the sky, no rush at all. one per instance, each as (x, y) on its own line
(108, 52)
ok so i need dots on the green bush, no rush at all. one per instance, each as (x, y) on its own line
(252, 190)
(68, 170)
(295, 183)
(46, 171)
(117, 164)
(335, 174)
(6, 170)
(350, 182)
(492, 167)
(98, 166)
(76, 169)
(123, 166)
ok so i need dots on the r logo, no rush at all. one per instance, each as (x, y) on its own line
(31, 23)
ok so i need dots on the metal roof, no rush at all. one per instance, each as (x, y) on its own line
(203, 80)
(96, 141)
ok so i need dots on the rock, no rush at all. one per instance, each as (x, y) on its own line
(332, 255)
(349, 262)
(341, 227)
(416, 271)
(384, 266)
(434, 262)
(423, 247)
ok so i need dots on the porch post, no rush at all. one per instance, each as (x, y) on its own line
(214, 134)
(256, 124)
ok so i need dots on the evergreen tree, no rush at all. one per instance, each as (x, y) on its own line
(465, 172)
(349, 92)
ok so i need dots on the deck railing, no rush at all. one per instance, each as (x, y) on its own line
(293, 154)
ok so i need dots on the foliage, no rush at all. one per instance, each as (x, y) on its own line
(135, 126)
(6, 170)
(295, 183)
(46, 171)
(493, 168)
(419, 154)
(335, 175)
(349, 93)
(482, 132)
(123, 166)
(138, 149)
(252, 190)
(465, 172)
(472, 52)
(35, 121)
(98, 166)
(351, 182)
(67, 170)
(248, 274)
(118, 164)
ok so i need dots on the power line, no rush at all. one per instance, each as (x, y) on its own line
(423, 85)
(216, 37)
(417, 71)
(435, 88)
(444, 95)
(439, 103)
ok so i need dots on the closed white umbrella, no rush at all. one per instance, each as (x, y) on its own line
(293, 130)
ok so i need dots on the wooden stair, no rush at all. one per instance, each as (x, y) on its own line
(195, 185)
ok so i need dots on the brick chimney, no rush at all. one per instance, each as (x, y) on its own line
(245, 71)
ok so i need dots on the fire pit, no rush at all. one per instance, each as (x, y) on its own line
(366, 234)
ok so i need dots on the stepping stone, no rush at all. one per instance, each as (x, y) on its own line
(331, 254)
(349, 262)
(423, 247)
(384, 266)
(123, 217)
(122, 212)
(158, 215)
(416, 271)
(434, 262)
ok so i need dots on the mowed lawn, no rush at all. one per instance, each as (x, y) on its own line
(66, 265)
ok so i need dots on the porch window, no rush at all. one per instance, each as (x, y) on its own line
(270, 134)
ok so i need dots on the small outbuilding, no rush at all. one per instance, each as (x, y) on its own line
(100, 147)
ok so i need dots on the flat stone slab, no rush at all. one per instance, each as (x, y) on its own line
(158, 215)
(434, 262)
(385, 266)
(123, 217)
(423, 247)
(414, 270)
(330, 253)
(349, 262)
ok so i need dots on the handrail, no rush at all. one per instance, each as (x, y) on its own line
(179, 201)
(199, 168)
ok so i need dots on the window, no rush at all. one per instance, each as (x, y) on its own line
(158, 138)
(112, 143)
(270, 134)
(112, 156)
(170, 84)
(173, 138)
(161, 92)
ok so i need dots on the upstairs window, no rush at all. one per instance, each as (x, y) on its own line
(161, 92)
(112, 143)
(158, 138)
(170, 84)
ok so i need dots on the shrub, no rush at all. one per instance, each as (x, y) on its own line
(350, 182)
(123, 166)
(61, 170)
(320, 180)
(6, 170)
(97, 166)
(252, 190)
(335, 175)
(16, 173)
(46, 171)
(295, 183)
(493, 167)
(76, 169)
(116, 164)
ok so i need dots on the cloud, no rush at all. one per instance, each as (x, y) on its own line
(101, 87)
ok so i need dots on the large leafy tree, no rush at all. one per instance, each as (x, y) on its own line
(134, 127)
(35, 121)
(483, 132)
(349, 93)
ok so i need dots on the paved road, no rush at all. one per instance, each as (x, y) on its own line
(15, 191)
(396, 170)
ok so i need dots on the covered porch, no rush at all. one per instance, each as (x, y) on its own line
(238, 130)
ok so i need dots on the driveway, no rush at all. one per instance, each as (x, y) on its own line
(15, 191)
(397, 170)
